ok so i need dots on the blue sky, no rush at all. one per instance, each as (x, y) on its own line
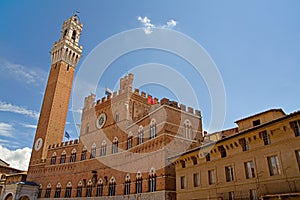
(255, 45)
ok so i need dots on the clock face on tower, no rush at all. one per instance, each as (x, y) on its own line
(38, 144)
(101, 120)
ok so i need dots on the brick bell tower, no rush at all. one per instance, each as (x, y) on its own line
(65, 55)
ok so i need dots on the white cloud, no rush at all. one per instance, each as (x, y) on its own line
(148, 26)
(29, 125)
(18, 158)
(5, 129)
(171, 23)
(7, 107)
(22, 73)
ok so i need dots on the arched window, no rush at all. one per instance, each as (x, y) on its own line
(73, 35)
(188, 129)
(83, 154)
(103, 148)
(48, 191)
(114, 148)
(63, 157)
(152, 180)
(89, 189)
(40, 191)
(140, 135)
(73, 156)
(65, 32)
(79, 189)
(68, 193)
(153, 128)
(112, 187)
(129, 142)
(57, 190)
(127, 184)
(99, 188)
(53, 159)
(138, 182)
(93, 151)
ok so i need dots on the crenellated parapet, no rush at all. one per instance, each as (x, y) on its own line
(182, 107)
(64, 144)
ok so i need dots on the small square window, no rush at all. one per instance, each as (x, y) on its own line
(182, 163)
(256, 122)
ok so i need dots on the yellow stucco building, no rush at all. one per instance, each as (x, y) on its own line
(258, 159)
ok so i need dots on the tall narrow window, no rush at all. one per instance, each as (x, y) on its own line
(194, 159)
(252, 195)
(182, 182)
(114, 148)
(112, 187)
(93, 151)
(231, 195)
(222, 151)
(99, 190)
(48, 192)
(83, 155)
(73, 156)
(127, 184)
(152, 180)
(153, 128)
(298, 157)
(249, 169)
(139, 183)
(211, 177)
(274, 166)
(88, 191)
(40, 191)
(244, 144)
(79, 191)
(65, 32)
(57, 191)
(53, 159)
(207, 157)
(117, 117)
(265, 137)
(129, 142)
(182, 163)
(196, 179)
(87, 129)
(140, 135)
(68, 192)
(103, 148)
(229, 173)
(295, 125)
(73, 35)
(63, 157)
(188, 129)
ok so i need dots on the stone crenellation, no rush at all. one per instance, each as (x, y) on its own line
(145, 96)
(64, 144)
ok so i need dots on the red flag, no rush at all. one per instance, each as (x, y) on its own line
(149, 101)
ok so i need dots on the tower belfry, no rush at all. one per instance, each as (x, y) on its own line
(65, 55)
